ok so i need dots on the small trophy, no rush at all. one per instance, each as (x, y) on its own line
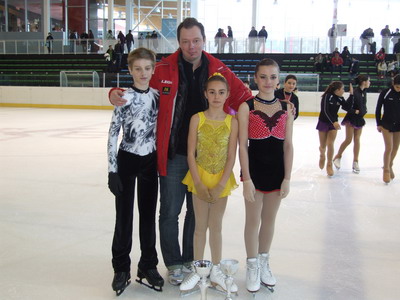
(203, 269)
(229, 267)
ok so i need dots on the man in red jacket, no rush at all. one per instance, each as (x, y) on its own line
(180, 80)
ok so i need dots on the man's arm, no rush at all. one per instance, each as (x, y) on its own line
(115, 96)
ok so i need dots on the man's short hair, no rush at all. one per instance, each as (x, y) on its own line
(189, 23)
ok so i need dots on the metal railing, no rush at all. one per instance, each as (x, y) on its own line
(163, 45)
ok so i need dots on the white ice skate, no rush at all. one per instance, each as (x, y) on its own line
(252, 275)
(189, 285)
(217, 278)
(267, 278)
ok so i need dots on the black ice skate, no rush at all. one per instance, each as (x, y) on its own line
(120, 282)
(153, 278)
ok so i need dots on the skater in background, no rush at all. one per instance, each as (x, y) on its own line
(389, 125)
(354, 122)
(135, 161)
(328, 124)
(287, 92)
(266, 158)
(212, 144)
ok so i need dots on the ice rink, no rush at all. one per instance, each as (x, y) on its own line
(336, 238)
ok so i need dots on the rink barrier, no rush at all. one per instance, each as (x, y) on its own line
(97, 98)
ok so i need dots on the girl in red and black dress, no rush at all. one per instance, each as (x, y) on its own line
(266, 158)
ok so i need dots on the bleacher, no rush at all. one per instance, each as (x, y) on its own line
(44, 70)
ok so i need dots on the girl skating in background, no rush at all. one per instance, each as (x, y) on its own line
(328, 124)
(389, 125)
(354, 122)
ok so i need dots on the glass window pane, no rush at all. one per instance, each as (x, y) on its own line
(34, 9)
(57, 21)
(2, 16)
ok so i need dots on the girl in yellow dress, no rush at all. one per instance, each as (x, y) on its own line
(212, 144)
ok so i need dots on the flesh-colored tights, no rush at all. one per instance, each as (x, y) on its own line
(260, 222)
(208, 216)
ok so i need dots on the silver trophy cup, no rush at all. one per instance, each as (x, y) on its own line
(203, 269)
(229, 267)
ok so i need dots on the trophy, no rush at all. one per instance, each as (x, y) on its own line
(229, 267)
(203, 269)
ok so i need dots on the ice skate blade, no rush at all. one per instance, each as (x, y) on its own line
(153, 287)
(219, 289)
(190, 292)
(269, 287)
(120, 291)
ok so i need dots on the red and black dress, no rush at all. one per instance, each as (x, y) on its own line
(266, 138)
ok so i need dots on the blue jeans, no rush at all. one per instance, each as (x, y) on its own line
(172, 196)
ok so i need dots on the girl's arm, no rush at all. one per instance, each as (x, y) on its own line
(230, 161)
(201, 190)
(287, 156)
(248, 186)
(378, 111)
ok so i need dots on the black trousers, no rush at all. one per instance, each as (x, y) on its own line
(143, 170)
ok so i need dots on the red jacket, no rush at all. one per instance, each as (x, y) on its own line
(337, 61)
(166, 78)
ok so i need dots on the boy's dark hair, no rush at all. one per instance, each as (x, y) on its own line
(189, 23)
(142, 53)
(291, 76)
(266, 62)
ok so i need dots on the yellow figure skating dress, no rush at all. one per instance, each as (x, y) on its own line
(211, 154)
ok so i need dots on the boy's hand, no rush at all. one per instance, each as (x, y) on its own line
(116, 97)
(115, 184)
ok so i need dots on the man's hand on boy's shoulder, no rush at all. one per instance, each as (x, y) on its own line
(115, 97)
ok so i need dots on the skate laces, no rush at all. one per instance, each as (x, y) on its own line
(252, 267)
(219, 274)
(192, 278)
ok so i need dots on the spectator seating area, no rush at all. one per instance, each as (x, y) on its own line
(44, 70)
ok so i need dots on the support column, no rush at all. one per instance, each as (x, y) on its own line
(178, 11)
(129, 15)
(335, 8)
(254, 13)
(194, 9)
(46, 18)
(6, 15)
(110, 15)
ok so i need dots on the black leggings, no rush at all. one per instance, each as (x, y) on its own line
(144, 169)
